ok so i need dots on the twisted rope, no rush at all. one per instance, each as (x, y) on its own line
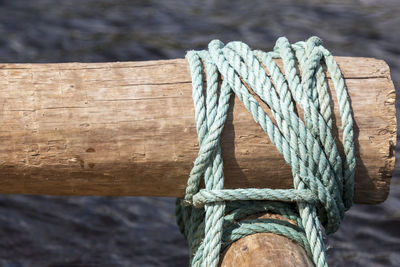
(323, 181)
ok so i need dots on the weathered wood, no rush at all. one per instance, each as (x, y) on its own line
(265, 249)
(128, 128)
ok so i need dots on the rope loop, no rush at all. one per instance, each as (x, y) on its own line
(285, 195)
(323, 179)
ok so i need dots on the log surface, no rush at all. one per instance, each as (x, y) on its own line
(265, 249)
(128, 128)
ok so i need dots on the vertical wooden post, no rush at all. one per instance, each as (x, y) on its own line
(266, 249)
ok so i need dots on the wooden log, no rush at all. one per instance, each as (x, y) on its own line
(265, 249)
(128, 128)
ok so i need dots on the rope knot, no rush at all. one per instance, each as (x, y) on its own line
(323, 179)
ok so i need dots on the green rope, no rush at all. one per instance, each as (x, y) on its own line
(210, 218)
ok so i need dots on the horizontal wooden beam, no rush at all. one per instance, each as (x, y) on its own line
(128, 128)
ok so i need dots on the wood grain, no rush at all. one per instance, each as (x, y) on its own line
(128, 128)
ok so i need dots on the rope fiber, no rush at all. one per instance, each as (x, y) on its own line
(211, 218)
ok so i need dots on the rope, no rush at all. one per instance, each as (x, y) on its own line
(210, 218)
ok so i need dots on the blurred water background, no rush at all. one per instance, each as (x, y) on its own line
(129, 231)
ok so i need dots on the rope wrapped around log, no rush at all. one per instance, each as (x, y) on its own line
(323, 179)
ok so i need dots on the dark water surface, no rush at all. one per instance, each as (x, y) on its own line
(128, 231)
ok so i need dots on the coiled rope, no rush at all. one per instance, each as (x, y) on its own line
(323, 181)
